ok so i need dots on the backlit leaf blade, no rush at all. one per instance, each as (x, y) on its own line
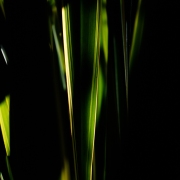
(69, 77)
(137, 34)
(90, 21)
(4, 123)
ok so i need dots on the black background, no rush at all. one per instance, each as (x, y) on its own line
(150, 143)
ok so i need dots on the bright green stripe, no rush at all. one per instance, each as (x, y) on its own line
(70, 59)
(4, 123)
(67, 55)
(94, 96)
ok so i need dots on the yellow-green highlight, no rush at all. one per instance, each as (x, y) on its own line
(104, 48)
(66, 25)
(101, 92)
(4, 123)
(68, 60)
(1, 176)
(65, 173)
(92, 109)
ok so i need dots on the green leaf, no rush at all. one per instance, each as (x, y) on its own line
(69, 76)
(4, 123)
(137, 34)
(90, 44)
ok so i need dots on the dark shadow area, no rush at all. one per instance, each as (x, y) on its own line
(148, 143)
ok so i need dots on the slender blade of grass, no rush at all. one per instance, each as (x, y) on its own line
(9, 169)
(4, 123)
(69, 77)
(137, 34)
(90, 42)
(59, 56)
(125, 45)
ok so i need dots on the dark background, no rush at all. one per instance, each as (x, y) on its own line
(149, 145)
